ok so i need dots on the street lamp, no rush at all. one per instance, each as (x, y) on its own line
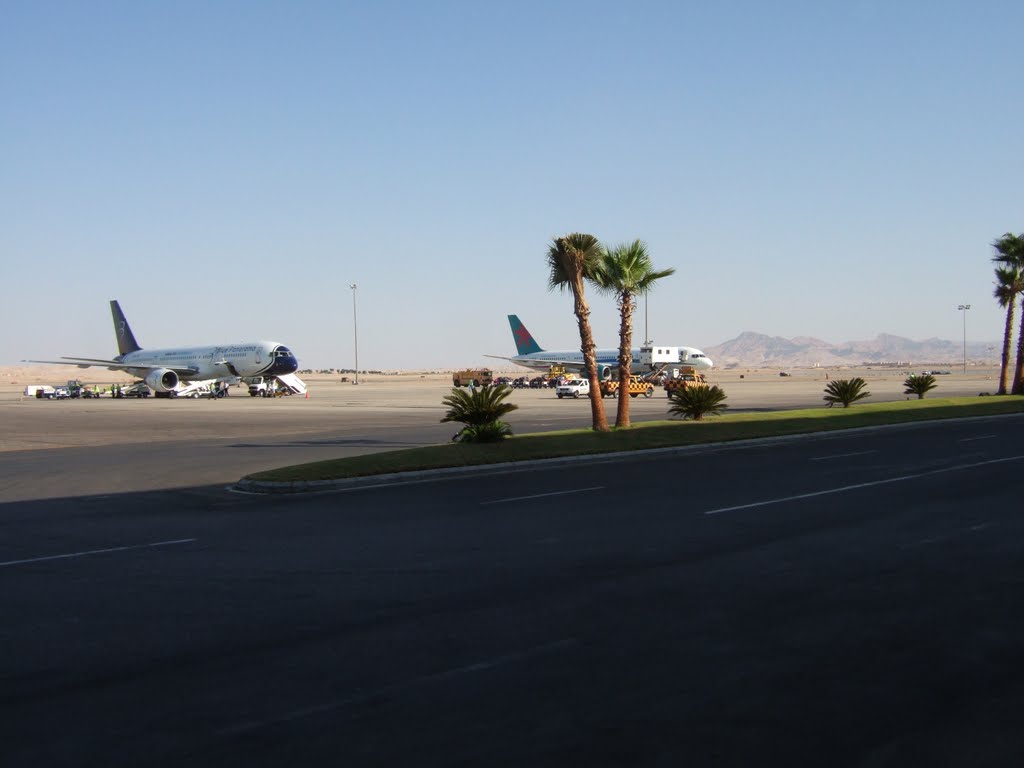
(355, 330)
(647, 336)
(963, 308)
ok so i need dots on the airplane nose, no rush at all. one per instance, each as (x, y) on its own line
(284, 362)
(285, 365)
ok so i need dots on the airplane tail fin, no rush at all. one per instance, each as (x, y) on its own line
(525, 343)
(125, 338)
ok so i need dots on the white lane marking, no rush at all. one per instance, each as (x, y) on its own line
(544, 495)
(416, 682)
(970, 439)
(842, 455)
(845, 488)
(95, 552)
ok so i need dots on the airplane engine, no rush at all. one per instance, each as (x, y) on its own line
(604, 372)
(162, 380)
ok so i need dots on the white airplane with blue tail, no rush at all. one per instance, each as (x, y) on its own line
(166, 371)
(531, 355)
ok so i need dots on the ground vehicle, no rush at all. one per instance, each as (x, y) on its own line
(42, 391)
(61, 393)
(573, 388)
(638, 385)
(473, 377)
(259, 387)
(687, 377)
(195, 389)
(136, 390)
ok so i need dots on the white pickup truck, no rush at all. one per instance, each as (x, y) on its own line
(260, 387)
(573, 388)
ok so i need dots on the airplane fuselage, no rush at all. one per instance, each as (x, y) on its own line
(606, 358)
(254, 358)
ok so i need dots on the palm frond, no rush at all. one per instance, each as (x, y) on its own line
(574, 254)
(845, 391)
(627, 268)
(696, 402)
(477, 406)
(1009, 249)
(919, 385)
(1009, 284)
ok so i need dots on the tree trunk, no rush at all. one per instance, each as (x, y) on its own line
(625, 358)
(1018, 374)
(599, 420)
(1004, 372)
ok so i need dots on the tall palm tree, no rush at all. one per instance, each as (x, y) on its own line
(1010, 253)
(626, 271)
(571, 261)
(1009, 285)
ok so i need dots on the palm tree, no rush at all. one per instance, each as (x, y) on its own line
(919, 385)
(845, 391)
(694, 402)
(480, 410)
(1010, 254)
(571, 260)
(626, 271)
(1009, 285)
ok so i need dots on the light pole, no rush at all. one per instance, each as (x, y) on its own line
(963, 308)
(647, 336)
(355, 330)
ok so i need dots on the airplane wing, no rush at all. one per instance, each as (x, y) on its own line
(574, 365)
(114, 365)
(569, 365)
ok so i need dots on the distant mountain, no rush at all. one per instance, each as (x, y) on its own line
(755, 350)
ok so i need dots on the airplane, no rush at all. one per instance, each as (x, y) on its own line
(164, 370)
(532, 356)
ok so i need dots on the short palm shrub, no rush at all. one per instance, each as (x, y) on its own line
(696, 402)
(480, 411)
(491, 432)
(918, 385)
(846, 391)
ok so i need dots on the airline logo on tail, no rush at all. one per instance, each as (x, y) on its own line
(525, 343)
(126, 343)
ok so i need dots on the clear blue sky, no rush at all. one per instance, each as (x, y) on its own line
(227, 169)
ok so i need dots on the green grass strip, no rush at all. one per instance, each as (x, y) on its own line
(648, 435)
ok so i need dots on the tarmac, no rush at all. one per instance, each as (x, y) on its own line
(52, 449)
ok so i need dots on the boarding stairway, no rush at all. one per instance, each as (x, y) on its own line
(292, 383)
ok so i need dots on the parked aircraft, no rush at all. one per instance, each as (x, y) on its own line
(164, 370)
(532, 356)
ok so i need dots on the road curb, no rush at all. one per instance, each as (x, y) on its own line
(270, 487)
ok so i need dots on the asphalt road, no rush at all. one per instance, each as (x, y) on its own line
(843, 600)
